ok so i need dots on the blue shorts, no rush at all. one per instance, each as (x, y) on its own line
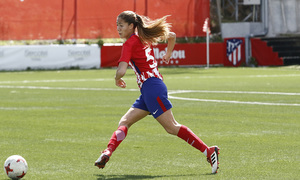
(153, 98)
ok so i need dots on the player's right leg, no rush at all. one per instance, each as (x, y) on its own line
(213, 158)
(168, 121)
(132, 116)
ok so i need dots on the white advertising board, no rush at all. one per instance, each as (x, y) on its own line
(49, 57)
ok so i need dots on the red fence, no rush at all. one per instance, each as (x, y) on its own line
(264, 55)
(89, 19)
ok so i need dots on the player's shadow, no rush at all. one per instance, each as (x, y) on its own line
(122, 177)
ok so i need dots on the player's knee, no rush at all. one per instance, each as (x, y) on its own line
(124, 122)
(172, 130)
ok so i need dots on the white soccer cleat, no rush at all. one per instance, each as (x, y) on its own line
(213, 158)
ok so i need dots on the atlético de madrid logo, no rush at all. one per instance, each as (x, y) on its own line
(234, 51)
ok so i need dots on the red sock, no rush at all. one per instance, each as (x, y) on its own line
(187, 135)
(117, 137)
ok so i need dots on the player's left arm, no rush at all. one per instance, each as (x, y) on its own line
(170, 47)
(121, 71)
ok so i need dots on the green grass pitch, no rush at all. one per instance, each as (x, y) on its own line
(59, 121)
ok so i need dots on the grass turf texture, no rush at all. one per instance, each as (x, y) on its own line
(60, 120)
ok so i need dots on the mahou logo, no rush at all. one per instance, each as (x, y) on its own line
(176, 55)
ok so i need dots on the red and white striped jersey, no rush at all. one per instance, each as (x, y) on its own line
(140, 58)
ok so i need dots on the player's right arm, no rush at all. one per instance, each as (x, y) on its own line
(123, 64)
(121, 71)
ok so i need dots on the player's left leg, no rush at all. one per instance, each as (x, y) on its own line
(132, 116)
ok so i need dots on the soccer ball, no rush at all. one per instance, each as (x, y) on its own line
(15, 167)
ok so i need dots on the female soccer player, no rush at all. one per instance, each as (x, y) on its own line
(140, 34)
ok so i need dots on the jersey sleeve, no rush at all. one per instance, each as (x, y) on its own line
(126, 53)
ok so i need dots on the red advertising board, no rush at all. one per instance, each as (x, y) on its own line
(190, 54)
(110, 55)
(229, 53)
(193, 54)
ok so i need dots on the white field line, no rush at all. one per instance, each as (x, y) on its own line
(230, 77)
(233, 102)
(174, 92)
(53, 81)
(170, 92)
(66, 88)
(233, 92)
(28, 108)
(111, 79)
